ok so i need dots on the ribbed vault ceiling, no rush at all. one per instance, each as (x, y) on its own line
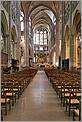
(39, 11)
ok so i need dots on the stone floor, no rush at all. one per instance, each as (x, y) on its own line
(39, 102)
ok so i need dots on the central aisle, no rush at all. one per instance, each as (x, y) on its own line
(39, 102)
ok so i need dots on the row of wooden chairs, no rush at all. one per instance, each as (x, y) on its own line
(12, 86)
(68, 87)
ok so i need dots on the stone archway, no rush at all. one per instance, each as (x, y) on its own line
(67, 40)
(77, 39)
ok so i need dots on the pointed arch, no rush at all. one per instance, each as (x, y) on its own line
(77, 38)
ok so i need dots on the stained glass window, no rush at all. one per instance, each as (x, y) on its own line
(41, 39)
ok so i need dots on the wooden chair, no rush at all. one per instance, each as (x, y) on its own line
(5, 102)
(72, 101)
(8, 90)
(77, 112)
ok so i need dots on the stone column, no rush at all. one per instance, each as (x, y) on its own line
(7, 42)
(9, 39)
(15, 50)
(6, 38)
(26, 26)
(35, 58)
(39, 39)
(57, 42)
(35, 36)
(18, 39)
(62, 36)
(47, 42)
(43, 36)
(71, 39)
(32, 51)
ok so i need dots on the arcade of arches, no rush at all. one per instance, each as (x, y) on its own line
(42, 34)
(45, 30)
